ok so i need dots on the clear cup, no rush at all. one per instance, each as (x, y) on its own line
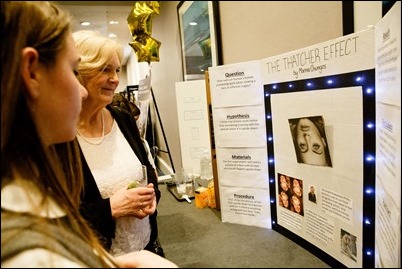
(180, 180)
(142, 181)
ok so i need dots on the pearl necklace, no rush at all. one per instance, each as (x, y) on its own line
(98, 142)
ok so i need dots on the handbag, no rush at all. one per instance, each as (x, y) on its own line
(158, 248)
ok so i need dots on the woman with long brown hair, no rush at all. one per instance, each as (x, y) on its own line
(41, 175)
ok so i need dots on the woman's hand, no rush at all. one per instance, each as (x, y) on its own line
(150, 208)
(139, 202)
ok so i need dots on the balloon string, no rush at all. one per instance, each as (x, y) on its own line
(149, 69)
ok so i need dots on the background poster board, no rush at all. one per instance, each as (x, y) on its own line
(388, 141)
(239, 132)
(192, 112)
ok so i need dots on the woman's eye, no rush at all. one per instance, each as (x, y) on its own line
(317, 148)
(303, 147)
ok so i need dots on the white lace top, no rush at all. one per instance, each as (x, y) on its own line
(114, 164)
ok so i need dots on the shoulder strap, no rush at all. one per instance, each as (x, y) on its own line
(20, 233)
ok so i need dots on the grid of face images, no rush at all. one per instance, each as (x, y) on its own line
(290, 193)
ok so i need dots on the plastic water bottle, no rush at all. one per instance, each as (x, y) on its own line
(206, 173)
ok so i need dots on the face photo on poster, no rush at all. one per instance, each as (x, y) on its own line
(310, 140)
(284, 190)
(290, 193)
(312, 196)
(348, 244)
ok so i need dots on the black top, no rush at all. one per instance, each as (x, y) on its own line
(312, 197)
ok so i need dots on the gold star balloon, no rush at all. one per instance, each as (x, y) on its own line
(139, 22)
(146, 48)
(140, 18)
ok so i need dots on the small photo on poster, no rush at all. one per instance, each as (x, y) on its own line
(290, 193)
(284, 192)
(310, 141)
(312, 197)
(348, 245)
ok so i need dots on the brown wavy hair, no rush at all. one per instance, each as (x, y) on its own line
(55, 170)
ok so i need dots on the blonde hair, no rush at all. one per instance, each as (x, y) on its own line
(95, 51)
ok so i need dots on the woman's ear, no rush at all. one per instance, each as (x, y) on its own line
(30, 71)
(323, 141)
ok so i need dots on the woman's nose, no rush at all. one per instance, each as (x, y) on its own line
(114, 77)
(84, 92)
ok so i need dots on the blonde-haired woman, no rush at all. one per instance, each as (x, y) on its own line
(113, 155)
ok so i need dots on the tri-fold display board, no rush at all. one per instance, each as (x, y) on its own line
(298, 139)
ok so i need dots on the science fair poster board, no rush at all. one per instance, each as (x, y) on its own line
(239, 130)
(347, 90)
(319, 102)
(388, 141)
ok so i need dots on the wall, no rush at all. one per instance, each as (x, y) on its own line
(256, 30)
(123, 80)
(367, 13)
(250, 30)
(165, 74)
